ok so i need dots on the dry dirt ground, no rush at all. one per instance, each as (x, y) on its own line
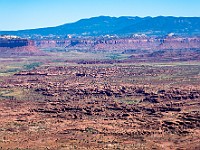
(104, 106)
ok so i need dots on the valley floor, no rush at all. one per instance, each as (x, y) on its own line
(68, 105)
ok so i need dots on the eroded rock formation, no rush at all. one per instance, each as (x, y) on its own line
(121, 44)
(12, 45)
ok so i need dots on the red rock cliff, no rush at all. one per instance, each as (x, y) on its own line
(121, 44)
(11, 45)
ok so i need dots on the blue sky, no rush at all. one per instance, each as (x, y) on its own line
(27, 14)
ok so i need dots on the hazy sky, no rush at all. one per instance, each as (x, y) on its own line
(26, 14)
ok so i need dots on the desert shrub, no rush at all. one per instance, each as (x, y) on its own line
(11, 70)
(32, 65)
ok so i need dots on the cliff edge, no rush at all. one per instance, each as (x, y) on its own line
(13, 45)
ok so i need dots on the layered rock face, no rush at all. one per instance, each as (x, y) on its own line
(52, 43)
(121, 44)
(10, 45)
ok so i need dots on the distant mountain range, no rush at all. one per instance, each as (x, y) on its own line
(121, 26)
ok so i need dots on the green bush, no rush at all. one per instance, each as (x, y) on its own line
(32, 65)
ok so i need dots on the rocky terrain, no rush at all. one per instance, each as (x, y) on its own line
(110, 83)
(109, 102)
(140, 48)
(16, 46)
(124, 44)
(104, 106)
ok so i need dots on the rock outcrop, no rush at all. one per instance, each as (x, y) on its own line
(12, 45)
(124, 44)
